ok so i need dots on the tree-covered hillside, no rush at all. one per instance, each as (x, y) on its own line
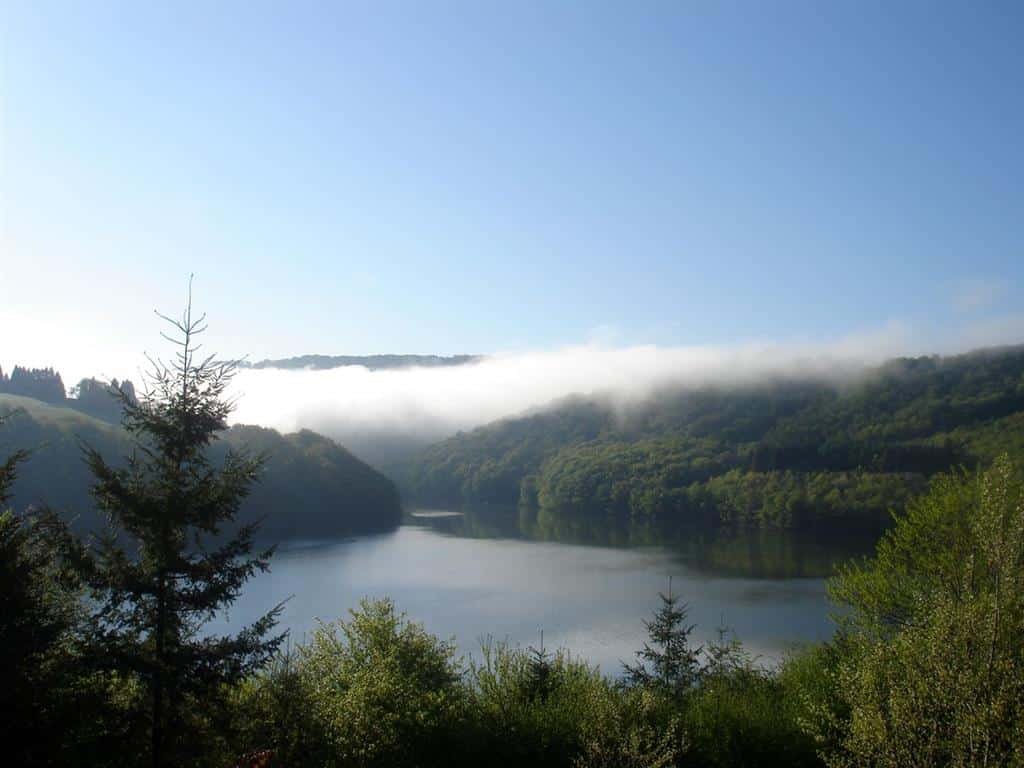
(785, 453)
(40, 383)
(310, 485)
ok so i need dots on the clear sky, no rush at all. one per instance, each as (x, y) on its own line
(487, 176)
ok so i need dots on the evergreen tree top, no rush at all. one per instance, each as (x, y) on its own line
(667, 661)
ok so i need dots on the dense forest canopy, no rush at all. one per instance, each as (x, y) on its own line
(41, 383)
(310, 486)
(782, 453)
(93, 396)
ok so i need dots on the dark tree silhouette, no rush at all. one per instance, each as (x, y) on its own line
(9, 469)
(38, 613)
(166, 564)
(40, 383)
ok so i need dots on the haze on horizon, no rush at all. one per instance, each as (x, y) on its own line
(382, 415)
(562, 188)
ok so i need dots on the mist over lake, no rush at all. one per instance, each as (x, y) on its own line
(547, 385)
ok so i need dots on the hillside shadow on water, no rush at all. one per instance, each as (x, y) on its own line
(721, 551)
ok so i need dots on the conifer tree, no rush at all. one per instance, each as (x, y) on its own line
(168, 561)
(38, 614)
(9, 469)
(540, 670)
(667, 662)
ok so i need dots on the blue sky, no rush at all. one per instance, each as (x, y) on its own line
(479, 177)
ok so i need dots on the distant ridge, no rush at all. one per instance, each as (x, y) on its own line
(372, 362)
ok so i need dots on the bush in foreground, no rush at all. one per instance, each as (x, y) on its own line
(933, 666)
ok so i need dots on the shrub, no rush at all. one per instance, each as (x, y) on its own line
(532, 708)
(383, 690)
(634, 728)
(933, 672)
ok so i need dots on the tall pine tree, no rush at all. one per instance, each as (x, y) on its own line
(173, 555)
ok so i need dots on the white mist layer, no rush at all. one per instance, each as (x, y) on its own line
(361, 408)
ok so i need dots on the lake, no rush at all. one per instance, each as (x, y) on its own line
(512, 574)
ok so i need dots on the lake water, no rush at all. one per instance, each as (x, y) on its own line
(511, 575)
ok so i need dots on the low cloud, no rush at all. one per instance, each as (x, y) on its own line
(383, 414)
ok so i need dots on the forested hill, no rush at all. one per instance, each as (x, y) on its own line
(311, 486)
(786, 453)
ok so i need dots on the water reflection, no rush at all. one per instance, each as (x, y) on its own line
(512, 573)
(768, 553)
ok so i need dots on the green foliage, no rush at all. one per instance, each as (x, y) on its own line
(743, 715)
(927, 668)
(540, 669)
(745, 718)
(9, 470)
(667, 663)
(661, 480)
(38, 614)
(376, 690)
(727, 551)
(379, 690)
(731, 712)
(47, 684)
(920, 557)
(808, 678)
(169, 503)
(534, 708)
(633, 729)
(272, 710)
(345, 699)
(326, 490)
(932, 671)
(384, 690)
(35, 616)
(806, 499)
(489, 463)
(787, 453)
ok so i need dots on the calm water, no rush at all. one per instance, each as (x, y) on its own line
(510, 575)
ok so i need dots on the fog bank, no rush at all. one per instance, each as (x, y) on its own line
(383, 414)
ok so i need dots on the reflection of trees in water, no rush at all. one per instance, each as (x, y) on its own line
(768, 553)
(773, 553)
